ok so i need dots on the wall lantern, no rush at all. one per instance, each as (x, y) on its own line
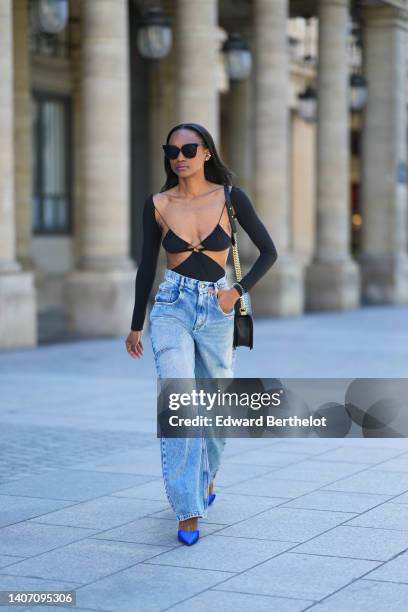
(307, 104)
(238, 57)
(154, 36)
(51, 16)
(358, 91)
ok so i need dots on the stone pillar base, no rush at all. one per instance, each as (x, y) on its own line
(332, 285)
(280, 293)
(18, 310)
(384, 279)
(99, 303)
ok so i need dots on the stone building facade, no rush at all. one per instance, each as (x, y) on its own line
(83, 115)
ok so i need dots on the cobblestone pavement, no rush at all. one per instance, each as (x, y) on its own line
(298, 524)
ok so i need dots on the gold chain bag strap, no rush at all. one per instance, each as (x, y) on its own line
(243, 322)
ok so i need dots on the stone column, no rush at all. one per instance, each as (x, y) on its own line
(332, 279)
(384, 157)
(237, 133)
(303, 186)
(239, 117)
(197, 47)
(22, 134)
(236, 139)
(158, 124)
(100, 292)
(18, 324)
(281, 292)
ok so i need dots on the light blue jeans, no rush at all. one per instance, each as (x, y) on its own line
(191, 337)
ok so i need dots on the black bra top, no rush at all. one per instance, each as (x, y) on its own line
(198, 265)
(218, 240)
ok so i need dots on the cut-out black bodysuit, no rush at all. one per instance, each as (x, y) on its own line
(200, 259)
(198, 264)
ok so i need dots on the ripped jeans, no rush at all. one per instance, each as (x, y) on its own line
(191, 337)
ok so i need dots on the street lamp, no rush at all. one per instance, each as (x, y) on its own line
(307, 104)
(238, 58)
(154, 36)
(51, 16)
(358, 91)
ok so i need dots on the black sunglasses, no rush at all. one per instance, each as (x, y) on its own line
(189, 150)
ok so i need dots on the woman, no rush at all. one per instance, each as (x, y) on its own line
(192, 320)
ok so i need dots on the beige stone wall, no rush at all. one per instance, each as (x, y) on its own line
(302, 186)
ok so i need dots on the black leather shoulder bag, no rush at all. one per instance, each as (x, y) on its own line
(243, 322)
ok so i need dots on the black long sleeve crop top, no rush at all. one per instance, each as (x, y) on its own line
(198, 265)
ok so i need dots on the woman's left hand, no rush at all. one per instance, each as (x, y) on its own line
(226, 298)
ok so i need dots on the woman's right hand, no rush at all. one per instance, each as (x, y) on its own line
(134, 345)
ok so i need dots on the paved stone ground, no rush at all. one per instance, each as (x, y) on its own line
(296, 525)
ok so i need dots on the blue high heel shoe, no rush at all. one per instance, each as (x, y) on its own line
(211, 498)
(188, 537)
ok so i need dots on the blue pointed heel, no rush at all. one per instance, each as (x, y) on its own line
(188, 537)
(211, 498)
